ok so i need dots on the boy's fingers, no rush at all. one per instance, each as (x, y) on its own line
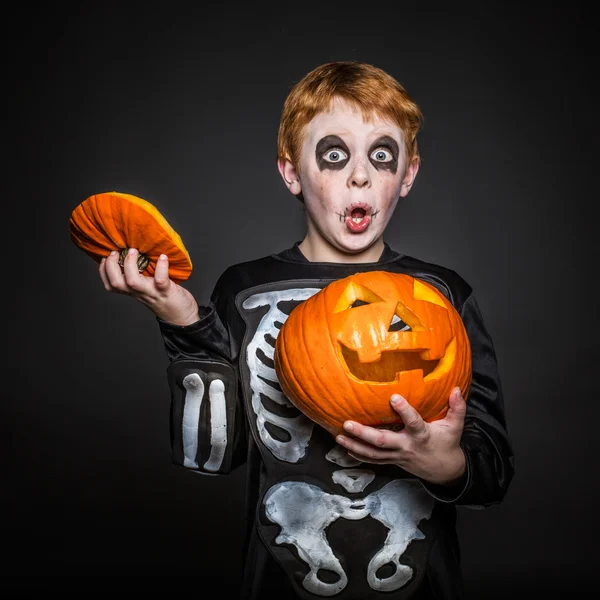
(413, 422)
(130, 267)
(113, 271)
(103, 276)
(161, 273)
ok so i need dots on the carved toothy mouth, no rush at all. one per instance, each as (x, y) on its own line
(386, 369)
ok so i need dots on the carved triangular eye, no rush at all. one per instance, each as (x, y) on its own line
(358, 303)
(398, 324)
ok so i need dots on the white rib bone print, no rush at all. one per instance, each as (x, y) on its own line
(298, 427)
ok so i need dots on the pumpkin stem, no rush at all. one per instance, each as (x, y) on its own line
(142, 262)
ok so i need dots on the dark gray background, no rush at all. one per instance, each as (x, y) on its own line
(181, 107)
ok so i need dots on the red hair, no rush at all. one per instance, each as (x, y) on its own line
(368, 88)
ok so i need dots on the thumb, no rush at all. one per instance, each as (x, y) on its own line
(457, 407)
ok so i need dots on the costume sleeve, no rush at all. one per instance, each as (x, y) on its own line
(485, 440)
(207, 428)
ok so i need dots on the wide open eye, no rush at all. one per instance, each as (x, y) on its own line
(357, 303)
(382, 155)
(398, 324)
(335, 155)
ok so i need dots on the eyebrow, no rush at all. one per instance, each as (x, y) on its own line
(383, 137)
(386, 140)
(331, 140)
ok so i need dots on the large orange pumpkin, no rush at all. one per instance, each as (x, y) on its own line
(344, 351)
(116, 221)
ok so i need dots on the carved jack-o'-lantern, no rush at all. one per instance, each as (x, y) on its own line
(344, 351)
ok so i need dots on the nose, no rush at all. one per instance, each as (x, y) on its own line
(359, 176)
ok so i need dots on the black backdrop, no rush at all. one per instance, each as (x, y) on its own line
(181, 107)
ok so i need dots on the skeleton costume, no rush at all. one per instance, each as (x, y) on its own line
(320, 523)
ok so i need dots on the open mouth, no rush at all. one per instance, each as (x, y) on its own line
(386, 369)
(358, 213)
(358, 217)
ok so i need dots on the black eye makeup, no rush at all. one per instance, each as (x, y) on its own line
(383, 154)
(331, 153)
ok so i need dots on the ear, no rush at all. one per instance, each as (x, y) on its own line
(409, 176)
(290, 175)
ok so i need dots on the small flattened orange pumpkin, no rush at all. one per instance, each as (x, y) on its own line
(115, 221)
(344, 351)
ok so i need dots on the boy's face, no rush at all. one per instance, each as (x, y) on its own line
(351, 175)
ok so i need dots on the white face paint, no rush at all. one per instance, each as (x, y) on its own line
(304, 512)
(353, 186)
(299, 428)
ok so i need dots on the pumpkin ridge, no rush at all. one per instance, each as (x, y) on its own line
(168, 240)
(158, 231)
(106, 225)
(82, 222)
(115, 221)
(121, 211)
(89, 214)
(315, 380)
(85, 243)
(288, 380)
(334, 405)
(164, 225)
(296, 390)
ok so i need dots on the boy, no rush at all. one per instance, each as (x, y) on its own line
(372, 513)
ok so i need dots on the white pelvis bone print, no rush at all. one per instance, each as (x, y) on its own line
(303, 511)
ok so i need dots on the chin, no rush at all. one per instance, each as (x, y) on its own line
(355, 243)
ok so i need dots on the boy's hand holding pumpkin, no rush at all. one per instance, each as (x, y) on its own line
(138, 251)
(430, 451)
(165, 298)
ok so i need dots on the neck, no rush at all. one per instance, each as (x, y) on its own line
(325, 252)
